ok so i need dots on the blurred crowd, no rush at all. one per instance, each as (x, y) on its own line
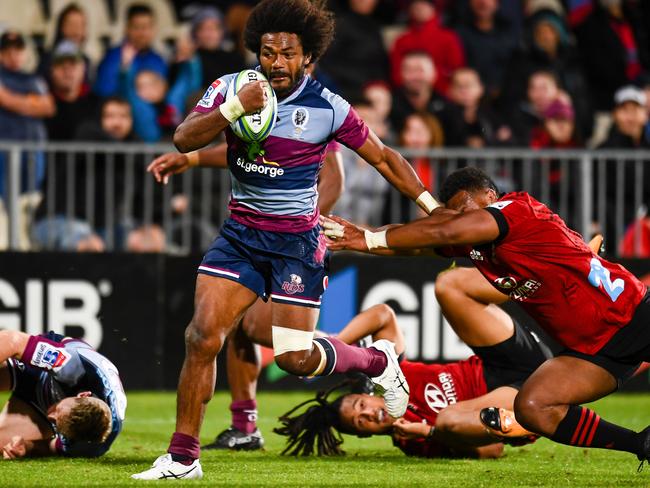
(422, 73)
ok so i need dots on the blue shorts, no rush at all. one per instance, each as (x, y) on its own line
(288, 268)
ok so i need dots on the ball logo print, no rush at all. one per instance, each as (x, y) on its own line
(255, 127)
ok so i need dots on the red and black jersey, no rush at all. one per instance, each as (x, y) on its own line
(580, 299)
(433, 388)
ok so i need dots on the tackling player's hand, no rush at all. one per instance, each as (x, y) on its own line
(343, 235)
(405, 430)
(15, 449)
(252, 96)
(168, 164)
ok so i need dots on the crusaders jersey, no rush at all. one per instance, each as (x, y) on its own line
(580, 299)
(433, 388)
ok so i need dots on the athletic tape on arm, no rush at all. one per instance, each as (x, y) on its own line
(427, 202)
(287, 340)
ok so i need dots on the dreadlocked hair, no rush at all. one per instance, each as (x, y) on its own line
(319, 425)
(307, 19)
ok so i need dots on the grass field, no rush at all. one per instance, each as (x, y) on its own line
(370, 462)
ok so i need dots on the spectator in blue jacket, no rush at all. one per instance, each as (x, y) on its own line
(157, 108)
(140, 34)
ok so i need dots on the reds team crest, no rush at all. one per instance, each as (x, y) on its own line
(293, 286)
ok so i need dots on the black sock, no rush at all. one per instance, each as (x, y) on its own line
(584, 427)
(186, 460)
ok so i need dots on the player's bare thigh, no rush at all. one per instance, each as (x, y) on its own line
(257, 323)
(219, 304)
(559, 382)
(469, 302)
(18, 418)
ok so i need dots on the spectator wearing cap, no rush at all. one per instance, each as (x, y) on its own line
(136, 48)
(71, 26)
(547, 48)
(489, 41)
(613, 40)
(357, 54)
(628, 132)
(426, 33)
(208, 35)
(630, 119)
(76, 105)
(24, 101)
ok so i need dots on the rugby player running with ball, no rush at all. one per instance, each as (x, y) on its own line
(271, 246)
(597, 310)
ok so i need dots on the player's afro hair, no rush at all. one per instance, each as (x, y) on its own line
(307, 19)
(468, 179)
(320, 423)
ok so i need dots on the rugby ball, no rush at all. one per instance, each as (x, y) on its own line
(257, 126)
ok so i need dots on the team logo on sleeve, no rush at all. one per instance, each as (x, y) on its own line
(49, 357)
(299, 117)
(208, 98)
(294, 286)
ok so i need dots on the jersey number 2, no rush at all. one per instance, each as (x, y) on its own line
(600, 275)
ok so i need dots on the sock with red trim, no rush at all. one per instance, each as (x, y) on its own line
(584, 427)
(184, 448)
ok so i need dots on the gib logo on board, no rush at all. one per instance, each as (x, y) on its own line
(54, 305)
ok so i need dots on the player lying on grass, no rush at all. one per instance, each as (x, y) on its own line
(243, 361)
(67, 399)
(597, 310)
(271, 247)
(442, 418)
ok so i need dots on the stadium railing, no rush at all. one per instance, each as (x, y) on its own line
(604, 191)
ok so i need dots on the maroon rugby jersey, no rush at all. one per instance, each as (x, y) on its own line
(433, 388)
(580, 299)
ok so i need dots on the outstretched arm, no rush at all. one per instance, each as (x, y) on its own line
(397, 171)
(437, 230)
(378, 321)
(12, 344)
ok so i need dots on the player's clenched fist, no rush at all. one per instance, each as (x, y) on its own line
(403, 429)
(168, 164)
(252, 96)
(16, 448)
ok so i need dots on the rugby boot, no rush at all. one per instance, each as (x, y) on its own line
(236, 440)
(391, 384)
(644, 455)
(501, 423)
(165, 468)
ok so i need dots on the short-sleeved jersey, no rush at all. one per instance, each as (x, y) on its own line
(433, 388)
(277, 191)
(579, 298)
(67, 367)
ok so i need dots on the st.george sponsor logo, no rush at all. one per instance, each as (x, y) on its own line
(267, 168)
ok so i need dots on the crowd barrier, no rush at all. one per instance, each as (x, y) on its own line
(106, 186)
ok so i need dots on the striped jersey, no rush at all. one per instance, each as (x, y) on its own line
(277, 191)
